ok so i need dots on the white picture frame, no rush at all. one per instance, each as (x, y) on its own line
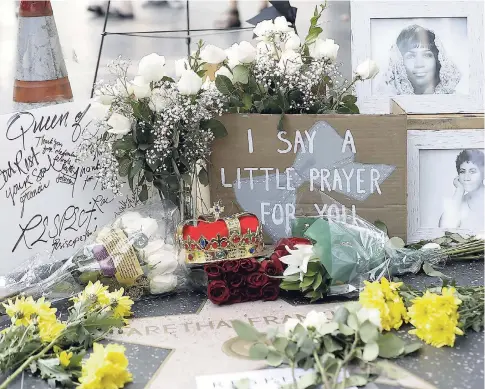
(362, 14)
(418, 140)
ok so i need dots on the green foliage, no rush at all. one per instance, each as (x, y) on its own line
(315, 284)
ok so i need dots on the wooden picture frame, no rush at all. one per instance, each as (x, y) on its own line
(372, 102)
(420, 140)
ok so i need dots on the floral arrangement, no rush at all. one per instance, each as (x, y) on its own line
(337, 353)
(243, 280)
(157, 131)
(55, 349)
(438, 314)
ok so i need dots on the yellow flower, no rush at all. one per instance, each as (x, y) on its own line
(106, 368)
(50, 329)
(21, 311)
(65, 358)
(96, 293)
(44, 310)
(121, 305)
(435, 317)
(384, 296)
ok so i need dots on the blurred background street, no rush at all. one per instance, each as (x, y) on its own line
(80, 35)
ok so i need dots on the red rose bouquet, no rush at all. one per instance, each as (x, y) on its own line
(243, 280)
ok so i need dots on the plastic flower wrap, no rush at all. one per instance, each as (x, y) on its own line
(135, 251)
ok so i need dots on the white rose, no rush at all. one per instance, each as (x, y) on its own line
(264, 28)
(245, 52)
(120, 125)
(290, 62)
(213, 54)
(103, 97)
(282, 25)
(371, 314)
(153, 247)
(123, 89)
(290, 326)
(263, 48)
(141, 88)
(232, 59)
(190, 83)
(161, 262)
(293, 42)
(367, 70)
(151, 67)
(159, 100)
(127, 215)
(163, 283)
(181, 65)
(431, 246)
(145, 225)
(324, 49)
(315, 320)
(223, 71)
(99, 111)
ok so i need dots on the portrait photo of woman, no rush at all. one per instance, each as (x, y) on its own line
(414, 60)
(465, 209)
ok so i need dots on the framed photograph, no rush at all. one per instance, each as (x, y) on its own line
(430, 55)
(445, 183)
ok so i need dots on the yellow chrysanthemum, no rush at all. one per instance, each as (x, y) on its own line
(96, 293)
(65, 358)
(384, 296)
(121, 305)
(106, 368)
(44, 310)
(435, 317)
(50, 329)
(21, 311)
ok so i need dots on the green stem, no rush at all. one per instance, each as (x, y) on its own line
(295, 385)
(27, 362)
(325, 381)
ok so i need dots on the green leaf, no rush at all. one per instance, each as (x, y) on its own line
(246, 331)
(307, 281)
(307, 346)
(307, 381)
(258, 351)
(143, 196)
(136, 167)
(432, 272)
(280, 122)
(331, 345)
(247, 101)
(353, 322)
(280, 344)
(356, 380)
(346, 330)
(240, 74)
(328, 328)
(51, 369)
(216, 127)
(318, 281)
(390, 346)
(203, 177)
(148, 175)
(368, 332)
(224, 85)
(353, 306)
(274, 359)
(371, 352)
(124, 167)
(381, 226)
(126, 143)
(290, 285)
(341, 315)
(412, 347)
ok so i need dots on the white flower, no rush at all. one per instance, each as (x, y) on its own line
(263, 48)
(431, 246)
(367, 70)
(181, 65)
(103, 97)
(232, 59)
(264, 28)
(152, 247)
(160, 99)
(315, 320)
(190, 83)
(282, 25)
(212, 54)
(298, 259)
(151, 67)
(99, 111)
(162, 262)
(120, 125)
(290, 62)
(324, 49)
(123, 89)
(371, 314)
(133, 222)
(224, 71)
(293, 42)
(208, 84)
(141, 88)
(290, 326)
(245, 52)
(163, 283)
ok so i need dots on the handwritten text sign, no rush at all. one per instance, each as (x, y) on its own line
(315, 167)
(50, 203)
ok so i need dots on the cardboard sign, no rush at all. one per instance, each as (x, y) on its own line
(337, 165)
(50, 202)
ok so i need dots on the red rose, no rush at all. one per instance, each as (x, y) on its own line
(270, 291)
(213, 271)
(236, 295)
(249, 265)
(218, 292)
(290, 242)
(253, 293)
(257, 279)
(236, 280)
(230, 266)
(272, 268)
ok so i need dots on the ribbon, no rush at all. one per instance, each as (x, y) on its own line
(327, 154)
